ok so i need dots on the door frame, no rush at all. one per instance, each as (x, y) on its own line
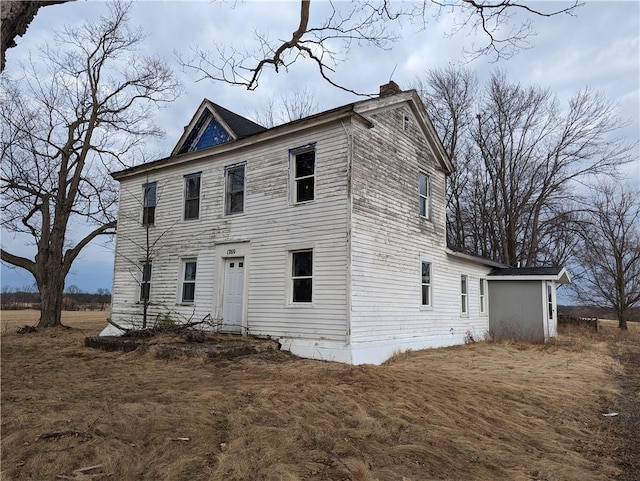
(224, 251)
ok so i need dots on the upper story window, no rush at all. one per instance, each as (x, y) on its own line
(149, 203)
(464, 294)
(424, 199)
(304, 174)
(426, 283)
(406, 123)
(188, 291)
(145, 281)
(192, 196)
(234, 190)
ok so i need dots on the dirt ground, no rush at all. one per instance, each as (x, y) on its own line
(483, 411)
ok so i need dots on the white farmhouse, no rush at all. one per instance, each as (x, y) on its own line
(326, 233)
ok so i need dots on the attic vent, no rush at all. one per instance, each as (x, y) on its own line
(390, 89)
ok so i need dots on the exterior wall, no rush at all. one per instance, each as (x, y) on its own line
(517, 310)
(268, 229)
(389, 240)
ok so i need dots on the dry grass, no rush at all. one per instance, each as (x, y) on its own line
(494, 411)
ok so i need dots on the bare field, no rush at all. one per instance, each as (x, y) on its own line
(10, 320)
(484, 411)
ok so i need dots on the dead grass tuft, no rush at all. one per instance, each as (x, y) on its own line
(484, 411)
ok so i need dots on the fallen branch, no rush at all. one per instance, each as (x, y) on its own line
(59, 434)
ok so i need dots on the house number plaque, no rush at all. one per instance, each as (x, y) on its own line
(230, 252)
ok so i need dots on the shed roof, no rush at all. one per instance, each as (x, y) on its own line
(556, 273)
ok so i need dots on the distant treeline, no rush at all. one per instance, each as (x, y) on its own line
(599, 312)
(72, 301)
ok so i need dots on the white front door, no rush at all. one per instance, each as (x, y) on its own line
(233, 302)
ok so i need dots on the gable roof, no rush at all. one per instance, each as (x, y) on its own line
(211, 125)
(242, 131)
(557, 273)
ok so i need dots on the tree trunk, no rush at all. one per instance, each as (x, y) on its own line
(622, 322)
(51, 287)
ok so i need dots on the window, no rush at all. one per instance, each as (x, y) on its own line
(145, 281)
(464, 298)
(302, 276)
(405, 123)
(550, 300)
(149, 203)
(483, 296)
(188, 280)
(234, 197)
(424, 186)
(426, 283)
(304, 171)
(192, 196)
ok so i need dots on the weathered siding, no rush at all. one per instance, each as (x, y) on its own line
(390, 239)
(269, 227)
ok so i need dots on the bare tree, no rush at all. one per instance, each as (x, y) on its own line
(609, 253)
(82, 111)
(293, 105)
(325, 41)
(522, 157)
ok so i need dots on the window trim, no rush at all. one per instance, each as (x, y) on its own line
(228, 192)
(186, 198)
(183, 280)
(464, 294)
(144, 281)
(426, 198)
(293, 153)
(429, 285)
(484, 287)
(145, 200)
(291, 278)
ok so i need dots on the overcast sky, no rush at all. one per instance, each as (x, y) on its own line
(599, 47)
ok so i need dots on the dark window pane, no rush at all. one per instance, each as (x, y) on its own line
(302, 264)
(236, 179)
(144, 291)
(302, 290)
(423, 207)
(192, 209)
(146, 272)
(304, 190)
(425, 295)
(148, 215)
(235, 203)
(305, 163)
(188, 291)
(150, 195)
(193, 187)
(423, 184)
(190, 271)
(426, 273)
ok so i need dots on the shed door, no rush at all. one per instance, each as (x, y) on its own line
(552, 322)
(233, 302)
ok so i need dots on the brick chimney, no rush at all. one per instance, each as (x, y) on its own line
(389, 89)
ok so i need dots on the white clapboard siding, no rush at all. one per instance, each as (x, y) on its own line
(270, 225)
(389, 240)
